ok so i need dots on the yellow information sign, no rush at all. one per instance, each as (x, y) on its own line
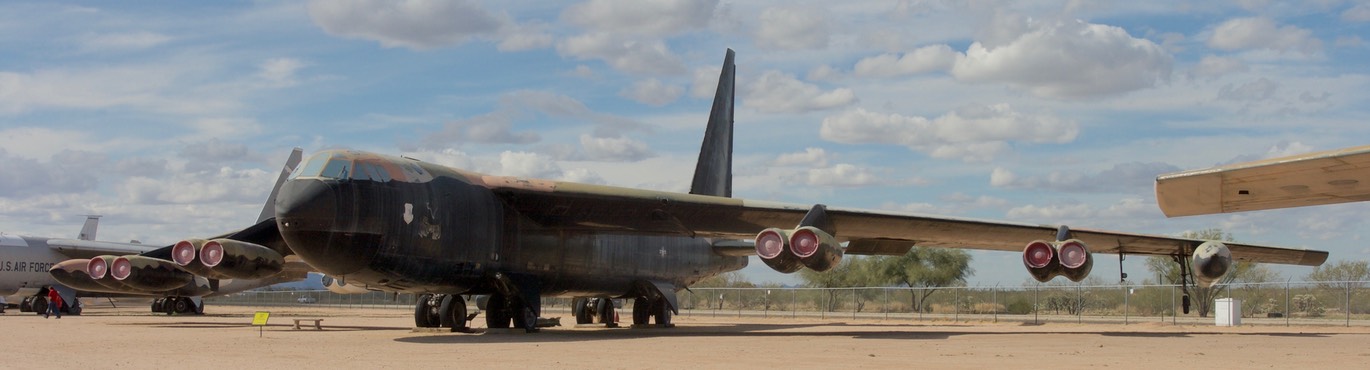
(260, 318)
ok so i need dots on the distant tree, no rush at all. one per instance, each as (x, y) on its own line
(928, 269)
(1341, 274)
(731, 279)
(854, 271)
(1169, 271)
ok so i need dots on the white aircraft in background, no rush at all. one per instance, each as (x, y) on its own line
(1329, 177)
(25, 260)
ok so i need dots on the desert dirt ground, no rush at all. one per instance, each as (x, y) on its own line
(369, 338)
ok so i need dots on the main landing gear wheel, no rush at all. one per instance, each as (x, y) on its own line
(645, 309)
(423, 312)
(497, 312)
(605, 308)
(581, 308)
(39, 305)
(452, 312)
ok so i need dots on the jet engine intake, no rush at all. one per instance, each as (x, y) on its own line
(1046, 260)
(1040, 259)
(773, 246)
(240, 260)
(150, 274)
(815, 248)
(1211, 262)
(1076, 261)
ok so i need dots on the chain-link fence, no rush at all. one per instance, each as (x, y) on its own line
(1285, 303)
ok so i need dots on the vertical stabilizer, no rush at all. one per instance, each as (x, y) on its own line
(269, 210)
(88, 230)
(714, 171)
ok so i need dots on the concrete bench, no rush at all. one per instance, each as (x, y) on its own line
(317, 324)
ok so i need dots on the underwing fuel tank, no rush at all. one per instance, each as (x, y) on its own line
(1211, 261)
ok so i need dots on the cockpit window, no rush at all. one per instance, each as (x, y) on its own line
(311, 167)
(325, 164)
(337, 168)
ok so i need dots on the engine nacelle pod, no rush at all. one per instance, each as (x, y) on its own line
(240, 260)
(1039, 257)
(1211, 261)
(1076, 261)
(815, 248)
(184, 254)
(773, 246)
(72, 273)
(150, 274)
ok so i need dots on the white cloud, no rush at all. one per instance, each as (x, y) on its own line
(124, 41)
(415, 24)
(1254, 91)
(1130, 177)
(652, 92)
(778, 92)
(971, 133)
(650, 57)
(614, 149)
(922, 60)
(839, 175)
(1076, 213)
(810, 157)
(280, 72)
(1358, 13)
(704, 82)
(1263, 33)
(652, 18)
(791, 28)
(533, 165)
(1211, 67)
(154, 88)
(1068, 60)
(223, 184)
(519, 37)
(65, 172)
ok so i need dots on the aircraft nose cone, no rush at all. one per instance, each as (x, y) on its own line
(314, 225)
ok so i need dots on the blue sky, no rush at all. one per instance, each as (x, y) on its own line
(170, 119)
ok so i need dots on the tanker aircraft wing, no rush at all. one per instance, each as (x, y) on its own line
(584, 207)
(1330, 177)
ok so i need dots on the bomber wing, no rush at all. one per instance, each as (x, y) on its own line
(77, 248)
(1330, 177)
(583, 207)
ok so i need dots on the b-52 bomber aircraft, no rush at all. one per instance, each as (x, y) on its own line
(399, 224)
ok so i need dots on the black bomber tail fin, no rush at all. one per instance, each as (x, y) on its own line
(269, 210)
(714, 171)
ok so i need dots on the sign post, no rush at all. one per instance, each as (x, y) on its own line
(259, 320)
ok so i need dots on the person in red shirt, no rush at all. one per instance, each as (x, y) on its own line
(54, 303)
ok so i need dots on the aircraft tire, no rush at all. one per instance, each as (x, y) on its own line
(421, 309)
(26, 305)
(74, 309)
(497, 312)
(642, 311)
(39, 305)
(662, 312)
(579, 307)
(605, 308)
(452, 312)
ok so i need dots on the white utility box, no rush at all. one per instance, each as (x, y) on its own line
(1228, 312)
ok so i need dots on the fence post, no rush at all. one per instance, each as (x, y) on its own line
(855, 303)
(1348, 304)
(1286, 302)
(956, 302)
(794, 310)
(886, 305)
(1125, 304)
(823, 311)
(1079, 304)
(1174, 311)
(1035, 292)
(995, 306)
